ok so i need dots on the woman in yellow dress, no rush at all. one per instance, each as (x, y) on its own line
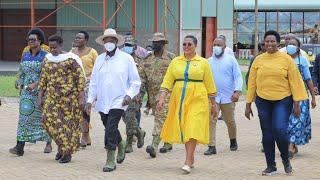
(190, 82)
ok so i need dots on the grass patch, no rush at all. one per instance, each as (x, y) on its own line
(7, 88)
(244, 87)
(244, 62)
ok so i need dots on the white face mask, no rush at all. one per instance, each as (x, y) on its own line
(310, 53)
(217, 50)
(109, 46)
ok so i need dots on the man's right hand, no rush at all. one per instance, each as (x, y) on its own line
(88, 108)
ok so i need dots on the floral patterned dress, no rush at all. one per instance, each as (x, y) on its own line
(30, 124)
(62, 83)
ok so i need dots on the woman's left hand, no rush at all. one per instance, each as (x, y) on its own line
(214, 112)
(296, 109)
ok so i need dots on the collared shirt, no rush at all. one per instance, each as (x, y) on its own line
(227, 76)
(112, 79)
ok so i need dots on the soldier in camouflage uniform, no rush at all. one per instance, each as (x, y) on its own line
(130, 115)
(154, 68)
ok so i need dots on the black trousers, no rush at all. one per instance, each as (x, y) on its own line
(112, 136)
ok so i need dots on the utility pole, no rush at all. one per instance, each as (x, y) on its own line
(256, 29)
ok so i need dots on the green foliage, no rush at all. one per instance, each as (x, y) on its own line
(7, 88)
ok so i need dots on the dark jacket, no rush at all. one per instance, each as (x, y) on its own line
(316, 72)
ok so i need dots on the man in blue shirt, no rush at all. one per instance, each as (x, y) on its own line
(228, 79)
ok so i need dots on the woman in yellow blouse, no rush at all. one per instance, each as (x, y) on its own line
(88, 56)
(190, 82)
(277, 87)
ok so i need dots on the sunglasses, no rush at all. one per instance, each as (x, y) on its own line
(187, 44)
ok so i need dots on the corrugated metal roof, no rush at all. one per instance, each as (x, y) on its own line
(277, 4)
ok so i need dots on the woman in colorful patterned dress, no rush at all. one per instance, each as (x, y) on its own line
(190, 82)
(30, 125)
(61, 98)
(88, 56)
(300, 127)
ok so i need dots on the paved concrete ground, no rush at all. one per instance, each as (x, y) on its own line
(246, 163)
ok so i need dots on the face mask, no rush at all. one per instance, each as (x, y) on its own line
(309, 53)
(217, 50)
(128, 49)
(156, 47)
(109, 46)
(291, 49)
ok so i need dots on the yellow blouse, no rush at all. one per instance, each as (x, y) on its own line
(274, 77)
(88, 61)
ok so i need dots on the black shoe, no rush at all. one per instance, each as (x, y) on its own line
(151, 151)
(233, 145)
(270, 170)
(165, 148)
(287, 167)
(15, 150)
(58, 156)
(65, 159)
(212, 150)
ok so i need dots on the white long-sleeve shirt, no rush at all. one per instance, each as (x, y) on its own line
(112, 79)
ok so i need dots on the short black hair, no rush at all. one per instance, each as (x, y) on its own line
(298, 41)
(38, 32)
(56, 38)
(86, 35)
(273, 33)
(194, 39)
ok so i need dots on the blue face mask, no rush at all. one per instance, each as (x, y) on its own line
(128, 49)
(291, 49)
(217, 50)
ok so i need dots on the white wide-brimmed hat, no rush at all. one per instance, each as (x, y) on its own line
(110, 33)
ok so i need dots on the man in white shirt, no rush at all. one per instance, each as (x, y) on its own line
(114, 82)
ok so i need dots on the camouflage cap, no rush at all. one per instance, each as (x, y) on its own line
(129, 39)
(159, 37)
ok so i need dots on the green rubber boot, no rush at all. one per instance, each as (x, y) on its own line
(140, 135)
(152, 149)
(129, 144)
(121, 152)
(110, 164)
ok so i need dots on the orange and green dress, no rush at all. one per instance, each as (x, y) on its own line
(62, 81)
(190, 82)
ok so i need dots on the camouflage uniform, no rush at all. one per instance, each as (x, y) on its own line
(152, 73)
(129, 118)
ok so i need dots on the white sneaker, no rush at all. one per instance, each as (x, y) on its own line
(186, 169)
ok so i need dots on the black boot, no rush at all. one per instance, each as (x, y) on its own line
(65, 158)
(212, 150)
(18, 149)
(270, 170)
(233, 145)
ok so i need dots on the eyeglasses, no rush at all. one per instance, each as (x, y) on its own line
(187, 44)
(31, 39)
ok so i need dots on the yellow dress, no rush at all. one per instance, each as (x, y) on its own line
(190, 83)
